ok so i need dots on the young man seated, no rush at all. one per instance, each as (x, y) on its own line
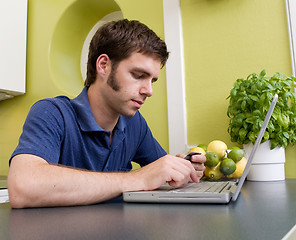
(79, 151)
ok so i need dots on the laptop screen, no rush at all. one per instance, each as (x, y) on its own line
(256, 145)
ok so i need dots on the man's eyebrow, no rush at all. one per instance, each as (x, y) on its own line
(136, 69)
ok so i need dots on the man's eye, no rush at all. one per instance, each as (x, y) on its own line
(137, 75)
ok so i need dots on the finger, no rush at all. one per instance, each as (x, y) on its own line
(199, 166)
(181, 155)
(194, 176)
(200, 174)
(178, 178)
(193, 173)
(182, 169)
(187, 170)
(198, 159)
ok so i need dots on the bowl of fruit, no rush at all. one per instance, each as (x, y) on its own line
(221, 162)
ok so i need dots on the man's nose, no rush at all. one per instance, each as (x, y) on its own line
(146, 88)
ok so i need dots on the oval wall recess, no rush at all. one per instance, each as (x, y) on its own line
(68, 50)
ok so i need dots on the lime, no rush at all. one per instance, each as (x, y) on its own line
(218, 147)
(236, 154)
(203, 146)
(240, 167)
(227, 166)
(213, 173)
(198, 150)
(212, 159)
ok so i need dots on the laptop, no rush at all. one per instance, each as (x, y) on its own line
(205, 191)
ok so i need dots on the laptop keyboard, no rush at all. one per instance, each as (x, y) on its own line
(202, 187)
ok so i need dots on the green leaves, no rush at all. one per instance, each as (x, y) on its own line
(249, 101)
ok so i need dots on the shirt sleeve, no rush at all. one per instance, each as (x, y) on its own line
(42, 132)
(149, 149)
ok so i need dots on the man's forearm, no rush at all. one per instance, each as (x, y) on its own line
(32, 182)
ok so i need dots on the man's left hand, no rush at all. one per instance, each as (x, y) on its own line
(197, 162)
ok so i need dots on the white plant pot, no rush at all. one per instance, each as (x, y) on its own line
(267, 165)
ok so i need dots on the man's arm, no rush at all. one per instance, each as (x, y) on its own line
(32, 182)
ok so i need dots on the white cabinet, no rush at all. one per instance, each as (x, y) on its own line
(13, 47)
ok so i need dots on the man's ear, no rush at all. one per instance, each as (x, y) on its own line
(103, 65)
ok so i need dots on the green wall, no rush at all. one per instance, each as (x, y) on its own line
(223, 40)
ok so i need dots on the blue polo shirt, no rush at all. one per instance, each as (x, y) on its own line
(64, 131)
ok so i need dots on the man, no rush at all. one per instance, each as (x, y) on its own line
(79, 151)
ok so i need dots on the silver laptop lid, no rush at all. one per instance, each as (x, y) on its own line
(256, 145)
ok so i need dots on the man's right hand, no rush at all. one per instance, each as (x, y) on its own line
(173, 170)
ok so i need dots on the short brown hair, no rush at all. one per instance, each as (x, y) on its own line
(119, 39)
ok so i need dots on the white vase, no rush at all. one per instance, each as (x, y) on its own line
(267, 165)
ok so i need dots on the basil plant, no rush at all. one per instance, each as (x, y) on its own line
(249, 101)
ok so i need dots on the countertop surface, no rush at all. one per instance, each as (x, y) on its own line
(264, 210)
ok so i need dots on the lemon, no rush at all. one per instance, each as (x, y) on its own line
(212, 159)
(203, 146)
(227, 166)
(218, 147)
(236, 154)
(198, 150)
(240, 167)
(213, 173)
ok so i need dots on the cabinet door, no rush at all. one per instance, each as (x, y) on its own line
(13, 44)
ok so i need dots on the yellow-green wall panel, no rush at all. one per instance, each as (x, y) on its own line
(225, 40)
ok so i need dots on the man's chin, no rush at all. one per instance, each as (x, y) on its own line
(129, 114)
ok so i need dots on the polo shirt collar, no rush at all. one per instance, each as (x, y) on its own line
(85, 117)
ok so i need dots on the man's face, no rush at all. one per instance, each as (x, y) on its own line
(130, 83)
